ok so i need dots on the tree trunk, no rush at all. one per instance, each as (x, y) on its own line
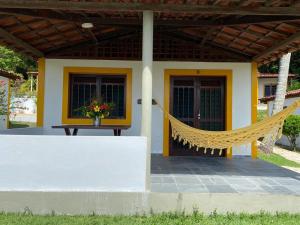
(284, 65)
(294, 145)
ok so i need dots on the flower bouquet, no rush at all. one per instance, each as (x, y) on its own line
(96, 111)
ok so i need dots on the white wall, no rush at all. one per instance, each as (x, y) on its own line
(3, 118)
(261, 85)
(283, 140)
(24, 105)
(63, 163)
(241, 93)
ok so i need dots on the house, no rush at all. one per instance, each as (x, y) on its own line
(5, 78)
(267, 83)
(206, 85)
(290, 97)
(196, 60)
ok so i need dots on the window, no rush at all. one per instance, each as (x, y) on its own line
(86, 87)
(270, 89)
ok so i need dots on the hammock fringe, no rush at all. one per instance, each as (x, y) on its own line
(226, 139)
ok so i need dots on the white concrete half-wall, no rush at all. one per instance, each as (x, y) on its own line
(63, 163)
(241, 98)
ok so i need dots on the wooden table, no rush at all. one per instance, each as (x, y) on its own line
(116, 128)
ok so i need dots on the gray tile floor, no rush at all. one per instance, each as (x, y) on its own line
(219, 175)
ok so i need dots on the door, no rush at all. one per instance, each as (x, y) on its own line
(200, 103)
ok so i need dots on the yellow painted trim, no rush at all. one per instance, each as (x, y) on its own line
(194, 72)
(93, 70)
(40, 92)
(8, 102)
(254, 103)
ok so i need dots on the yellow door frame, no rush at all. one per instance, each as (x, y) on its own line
(168, 73)
(254, 103)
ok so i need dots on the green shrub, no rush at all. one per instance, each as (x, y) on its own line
(291, 129)
(295, 85)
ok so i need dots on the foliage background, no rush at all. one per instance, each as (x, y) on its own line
(17, 63)
(294, 69)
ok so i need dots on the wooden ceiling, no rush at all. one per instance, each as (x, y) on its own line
(221, 30)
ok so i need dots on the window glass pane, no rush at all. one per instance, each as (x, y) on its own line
(84, 88)
(82, 91)
(267, 90)
(113, 91)
(273, 89)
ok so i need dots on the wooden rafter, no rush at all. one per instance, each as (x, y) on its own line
(278, 46)
(158, 7)
(197, 40)
(9, 37)
(89, 43)
(72, 17)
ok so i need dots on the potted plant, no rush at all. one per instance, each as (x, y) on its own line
(96, 111)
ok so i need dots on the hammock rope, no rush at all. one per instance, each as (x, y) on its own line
(197, 138)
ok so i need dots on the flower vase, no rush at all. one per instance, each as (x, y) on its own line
(97, 121)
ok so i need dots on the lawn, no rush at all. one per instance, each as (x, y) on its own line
(17, 124)
(165, 219)
(278, 160)
(261, 114)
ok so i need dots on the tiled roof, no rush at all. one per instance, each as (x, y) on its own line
(290, 94)
(272, 75)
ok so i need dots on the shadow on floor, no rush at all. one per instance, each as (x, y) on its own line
(242, 166)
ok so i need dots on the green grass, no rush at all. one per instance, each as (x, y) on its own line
(164, 219)
(16, 124)
(261, 114)
(278, 160)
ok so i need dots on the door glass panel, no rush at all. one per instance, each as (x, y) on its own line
(183, 101)
(194, 96)
(211, 105)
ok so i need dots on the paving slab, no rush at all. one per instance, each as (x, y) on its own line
(221, 175)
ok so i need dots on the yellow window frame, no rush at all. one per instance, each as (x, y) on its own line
(99, 71)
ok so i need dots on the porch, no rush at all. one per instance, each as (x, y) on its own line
(141, 47)
(181, 174)
(218, 175)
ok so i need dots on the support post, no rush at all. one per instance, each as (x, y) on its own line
(147, 88)
(254, 103)
(40, 92)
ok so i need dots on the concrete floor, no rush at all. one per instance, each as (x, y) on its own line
(219, 175)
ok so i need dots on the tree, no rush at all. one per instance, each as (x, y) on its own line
(11, 61)
(273, 67)
(284, 64)
(3, 98)
(295, 85)
(14, 62)
(291, 129)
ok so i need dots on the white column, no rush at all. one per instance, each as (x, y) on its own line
(147, 87)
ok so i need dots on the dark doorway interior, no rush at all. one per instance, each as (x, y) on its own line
(200, 103)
